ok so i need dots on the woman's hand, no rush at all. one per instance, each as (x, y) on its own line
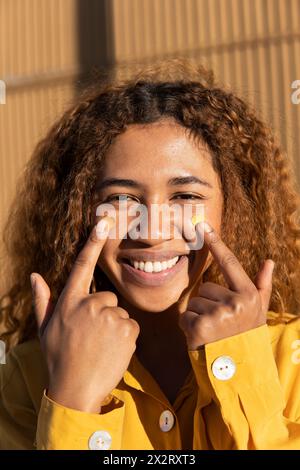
(219, 312)
(87, 339)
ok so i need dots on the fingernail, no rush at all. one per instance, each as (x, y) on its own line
(273, 265)
(206, 227)
(101, 228)
(32, 281)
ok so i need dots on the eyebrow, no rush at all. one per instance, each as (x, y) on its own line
(181, 180)
(177, 181)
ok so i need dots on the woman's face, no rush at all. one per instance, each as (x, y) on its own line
(152, 165)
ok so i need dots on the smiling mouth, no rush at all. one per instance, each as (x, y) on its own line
(153, 278)
(153, 266)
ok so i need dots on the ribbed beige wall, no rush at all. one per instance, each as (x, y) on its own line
(253, 45)
(38, 52)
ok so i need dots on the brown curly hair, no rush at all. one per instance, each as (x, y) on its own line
(51, 216)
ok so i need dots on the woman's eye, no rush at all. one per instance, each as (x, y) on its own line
(188, 196)
(128, 197)
(120, 198)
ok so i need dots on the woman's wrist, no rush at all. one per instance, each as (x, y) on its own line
(79, 403)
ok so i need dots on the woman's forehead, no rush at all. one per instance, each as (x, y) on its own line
(160, 147)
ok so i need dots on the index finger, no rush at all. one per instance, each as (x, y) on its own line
(82, 272)
(234, 274)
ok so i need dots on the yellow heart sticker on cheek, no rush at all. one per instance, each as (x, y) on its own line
(197, 218)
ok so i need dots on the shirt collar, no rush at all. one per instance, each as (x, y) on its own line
(138, 377)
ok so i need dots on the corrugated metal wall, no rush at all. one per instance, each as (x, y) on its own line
(38, 58)
(252, 45)
(46, 45)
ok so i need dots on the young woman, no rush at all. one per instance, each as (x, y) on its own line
(145, 343)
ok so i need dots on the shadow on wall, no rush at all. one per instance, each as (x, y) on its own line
(95, 40)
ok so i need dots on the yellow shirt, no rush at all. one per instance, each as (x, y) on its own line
(256, 407)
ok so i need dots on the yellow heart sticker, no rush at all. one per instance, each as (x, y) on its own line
(197, 218)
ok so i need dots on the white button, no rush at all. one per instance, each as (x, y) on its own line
(166, 421)
(100, 440)
(223, 368)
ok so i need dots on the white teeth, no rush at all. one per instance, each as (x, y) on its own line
(156, 266)
(148, 268)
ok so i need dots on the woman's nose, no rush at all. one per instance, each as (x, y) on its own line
(163, 222)
(156, 223)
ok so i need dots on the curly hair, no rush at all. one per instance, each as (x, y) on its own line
(51, 216)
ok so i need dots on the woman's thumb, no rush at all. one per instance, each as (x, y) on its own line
(263, 282)
(41, 298)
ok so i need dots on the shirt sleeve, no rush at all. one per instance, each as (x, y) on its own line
(257, 398)
(62, 428)
(28, 422)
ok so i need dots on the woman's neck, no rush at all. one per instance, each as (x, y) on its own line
(160, 334)
(161, 347)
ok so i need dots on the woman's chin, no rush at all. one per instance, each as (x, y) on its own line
(152, 303)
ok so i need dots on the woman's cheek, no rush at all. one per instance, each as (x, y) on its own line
(213, 215)
(107, 259)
